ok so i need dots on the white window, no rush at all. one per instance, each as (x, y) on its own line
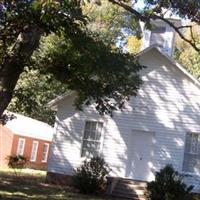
(157, 36)
(20, 146)
(34, 151)
(91, 139)
(191, 162)
(45, 152)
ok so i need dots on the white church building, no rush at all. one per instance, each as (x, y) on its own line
(158, 127)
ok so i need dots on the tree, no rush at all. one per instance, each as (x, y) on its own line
(91, 67)
(133, 44)
(34, 90)
(186, 55)
(32, 93)
(156, 9)
(111, 22)
(78, 57)
(22, 23)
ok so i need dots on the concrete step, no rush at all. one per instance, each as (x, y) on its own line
(132, 182)
(129, 189)
(130, 186)
(135, 192)
(123, 195)
(129, 193)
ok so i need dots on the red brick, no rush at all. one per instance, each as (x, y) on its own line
(9, 143)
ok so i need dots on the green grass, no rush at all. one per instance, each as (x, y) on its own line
(30, 184)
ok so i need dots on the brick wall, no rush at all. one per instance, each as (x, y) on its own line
(28, 149)
(6, 138)
(9, 143)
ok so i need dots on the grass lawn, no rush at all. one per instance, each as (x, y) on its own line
(30, 184)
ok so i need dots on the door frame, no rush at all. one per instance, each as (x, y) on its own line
(145, 132)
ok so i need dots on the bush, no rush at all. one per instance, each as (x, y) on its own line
(168, 185)
(91, 176)
(16, 162)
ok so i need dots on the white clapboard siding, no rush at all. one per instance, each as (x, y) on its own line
(168, 105)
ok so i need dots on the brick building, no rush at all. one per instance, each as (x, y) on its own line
(27, 137)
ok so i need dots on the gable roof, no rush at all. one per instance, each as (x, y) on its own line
(52, 104)
(174, 62)
(29, 127)
(55, 101)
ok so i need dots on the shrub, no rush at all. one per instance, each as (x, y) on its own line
(168, 185)
(16, 162)
(91, 176)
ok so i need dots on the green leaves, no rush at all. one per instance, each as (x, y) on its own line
(168, 185)
(36, 5)
(90, 177)
(110, 21)
(98, 74)
(72, 54)
(85, 64)
(186, 55)
(33, 92)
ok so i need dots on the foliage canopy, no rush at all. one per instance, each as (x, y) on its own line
(75, 56)
(83, 55)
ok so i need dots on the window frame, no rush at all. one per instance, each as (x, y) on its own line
(47, 152)
(100, 140)
(36, 151)
(190, 153)
(23, 147)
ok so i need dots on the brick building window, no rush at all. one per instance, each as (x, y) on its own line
(20, 146)
(91, 139)
(34, 151)
(45, 152)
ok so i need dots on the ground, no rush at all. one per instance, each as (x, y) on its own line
(30, 184)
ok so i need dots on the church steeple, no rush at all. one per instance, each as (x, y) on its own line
(161, 34)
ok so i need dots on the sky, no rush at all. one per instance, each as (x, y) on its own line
(139, 5)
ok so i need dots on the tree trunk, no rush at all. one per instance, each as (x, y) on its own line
(15, 62)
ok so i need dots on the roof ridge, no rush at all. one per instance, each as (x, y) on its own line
(195, 81)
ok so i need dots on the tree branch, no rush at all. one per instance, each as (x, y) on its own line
(182, 27)
(145, 18)
(191, 33)
(191, 42)
(131, 10)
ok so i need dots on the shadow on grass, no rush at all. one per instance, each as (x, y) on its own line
(32, 187)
